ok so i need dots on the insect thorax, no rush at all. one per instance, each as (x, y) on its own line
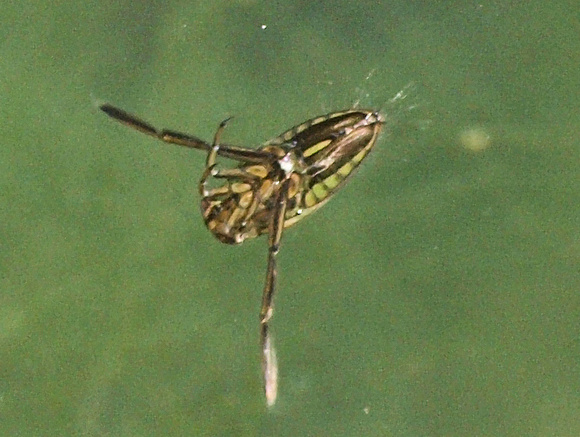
(242, 206)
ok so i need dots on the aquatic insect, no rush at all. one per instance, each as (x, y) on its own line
(273, 187)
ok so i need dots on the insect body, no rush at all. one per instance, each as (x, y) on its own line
(273, 187)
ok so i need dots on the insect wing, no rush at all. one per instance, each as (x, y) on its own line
(332, 147)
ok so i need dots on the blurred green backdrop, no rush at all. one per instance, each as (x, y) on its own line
(436, 295)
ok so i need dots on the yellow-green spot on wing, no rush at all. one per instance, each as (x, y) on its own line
(319, 191)
(310, 199)
(316, 148)
(332, 181)
(345, 170)
(360, 156)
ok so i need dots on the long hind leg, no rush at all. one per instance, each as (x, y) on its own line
(269, 362)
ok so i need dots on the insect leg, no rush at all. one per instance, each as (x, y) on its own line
(269, 364)
(143, 126)
(181, 139)
(210, 161)
(237, 178)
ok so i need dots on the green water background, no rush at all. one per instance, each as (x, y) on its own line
(436, 295)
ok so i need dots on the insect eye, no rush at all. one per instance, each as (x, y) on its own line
(336, 134)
